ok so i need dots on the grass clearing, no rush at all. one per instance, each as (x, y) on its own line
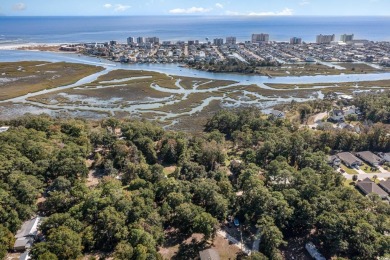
(169, 170)
(349, 183)
(368, 169)
(348, 170)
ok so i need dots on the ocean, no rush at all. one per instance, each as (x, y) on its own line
(21, 30)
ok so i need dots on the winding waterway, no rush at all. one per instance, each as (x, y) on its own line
(174, 69)
(177, 95)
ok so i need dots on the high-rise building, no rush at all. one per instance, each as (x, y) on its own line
(130, 40)
(231, 40)
(346, 37)
(191, 42)
(140, 40)
(218, 41)
(295, 40)
(153, 40)
(112, 43)
(260, 38)
(325, 39)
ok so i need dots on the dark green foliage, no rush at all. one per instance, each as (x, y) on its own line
(61, 242)
(283, 186)
(6, 241)
(374, 106)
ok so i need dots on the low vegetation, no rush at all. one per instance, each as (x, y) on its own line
(21, 78)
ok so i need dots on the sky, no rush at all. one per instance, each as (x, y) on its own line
(194, 7)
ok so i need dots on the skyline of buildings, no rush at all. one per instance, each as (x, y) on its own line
(260, 38)
(325, 39)
(346, 37)
(256, 38)
(295, 40)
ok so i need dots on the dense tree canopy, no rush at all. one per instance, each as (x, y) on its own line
(279, 184)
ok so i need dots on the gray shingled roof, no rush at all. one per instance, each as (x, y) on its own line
(385, 185)
(29, 228)
(369, 157)
(23, 243)
(367, 186)
(348, 158)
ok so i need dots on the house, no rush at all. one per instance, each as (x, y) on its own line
(24, 243)
(385, 156)
(385, 185)
(346, 126)
(370, 158)
(333, 161)
(4, 129)
(312, 250)
(367, 186)
(337, 115)
(349, 159)
(209, 254)
(277, 114)
(26, 235)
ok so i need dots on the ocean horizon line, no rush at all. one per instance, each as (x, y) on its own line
(197, 15)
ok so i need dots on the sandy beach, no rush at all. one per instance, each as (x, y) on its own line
(51, 47)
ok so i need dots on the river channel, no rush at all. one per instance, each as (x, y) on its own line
(173, 70)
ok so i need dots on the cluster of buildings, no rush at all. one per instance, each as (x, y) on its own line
(259, 48)
(366, 186)
(357, 51)
(340, 115)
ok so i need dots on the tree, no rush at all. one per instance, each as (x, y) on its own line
(211, 154)
(351, 117)
(271, 236)
(123, 251)
(6, 241)
(256, 256)
(207, 225)
(304, 111)
(64, 243)
(47, 256)
(110, 228)
(366, 241)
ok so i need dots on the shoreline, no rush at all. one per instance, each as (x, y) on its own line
(43, 47)
(270, 72)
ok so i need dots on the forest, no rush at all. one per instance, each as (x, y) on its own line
(281, 184)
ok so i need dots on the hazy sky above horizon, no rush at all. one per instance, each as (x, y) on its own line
(194, 7)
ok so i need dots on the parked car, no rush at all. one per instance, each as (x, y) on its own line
(236, 222)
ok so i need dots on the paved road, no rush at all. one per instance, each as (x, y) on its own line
(219, 53)
(367, 175)
(251, 53)
(318, 118)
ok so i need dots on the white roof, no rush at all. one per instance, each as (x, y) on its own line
(4, 129)
(311, 248)
(29, 228)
